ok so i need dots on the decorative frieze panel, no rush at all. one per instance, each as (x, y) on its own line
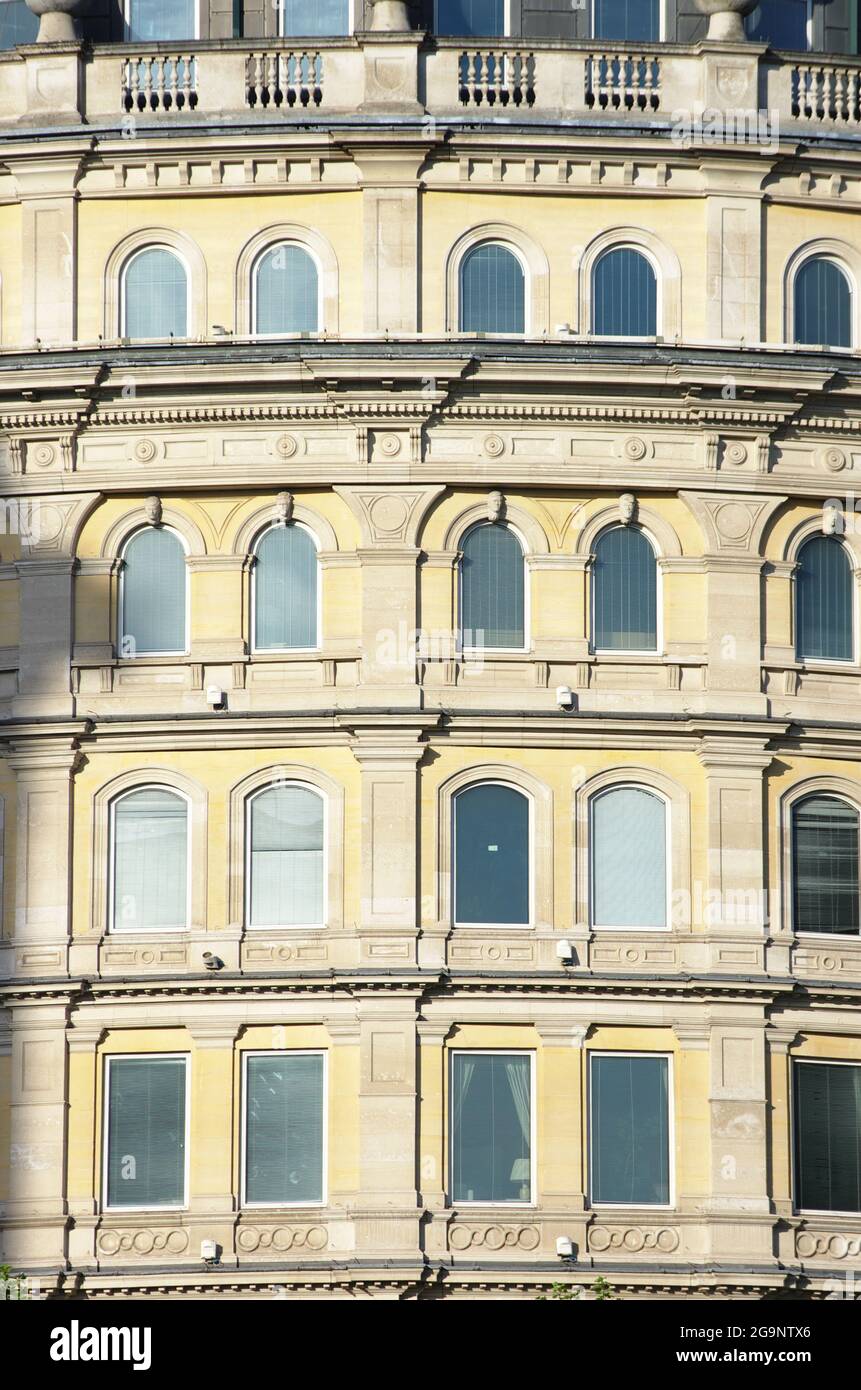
(633, 1240)
(276, 1241)
(124, 1243)
(493, 1239)
(813, 1244)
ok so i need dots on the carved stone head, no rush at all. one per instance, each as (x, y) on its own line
(495, 505)
(832, 518)
(627, 508)
(284, 507)
(152, 510)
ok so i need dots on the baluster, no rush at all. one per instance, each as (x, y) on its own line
(148, 81)
(498, 61)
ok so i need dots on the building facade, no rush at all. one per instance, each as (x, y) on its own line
(429, 649)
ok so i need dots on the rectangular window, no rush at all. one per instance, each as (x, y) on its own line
(145, 1158)
(161, 21)
(780, 23)
(827, 1136)
(284, 1128)
(471, 18)
(491, 1127)
(627, 21)
(315, 18)
(630, 1129)
(18, 24)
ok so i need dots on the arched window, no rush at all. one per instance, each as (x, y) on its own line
(466, 18)
(492, 589)
(154, 295)
(286, 291)
(285, 857)
(823, 304)
(153, 594)
(624, 295)
(825, 883)
(624, 592)
(629, 858)
(492, 291)
(149, 861)
(285, 589)
(630, 21)
(781, 23)
(492, 874)
(824, 602)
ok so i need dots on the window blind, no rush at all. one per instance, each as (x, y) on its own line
(284, 1129)
(629, 859)
(478, 18)
(315, 18)
(491, 1127)
(825, 865)
(492, 292)
(492, 577)
(625, 589)
(146, 1132)
(287, 292)
(823, 305)
(491, 870)
(630, 1142)
(624, 296)
(150, 861)
(153, 617)
(286, 858)
(155, 295)
(827, 1137)
(824, 601)
(285, 590)
(634, 21)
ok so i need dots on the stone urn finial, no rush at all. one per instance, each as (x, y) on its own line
(390, 16)
(56, 19)
(726, 18)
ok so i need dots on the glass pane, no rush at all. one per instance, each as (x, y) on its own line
(155, 21)
(625, 587)
(630, 1131)
(490, 1121)
(827, 1137)
(629, 859)
(315, 18)
(491, 855)
(492, 588)
(824, 601)
(467, 17)
(18, 24)
(823, 305)
(491, 291)
(153, 594)
(825, 865)
(285, 590)
(635, 20)
(782, 23)
(146, 1132)
(284, 1129)
(150, 861)
(625, 296)
(155, 296)
(286, 858)
(286, 292)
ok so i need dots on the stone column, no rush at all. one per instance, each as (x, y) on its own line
(43, 887)
(212, 1198)
(47, 192)
(561, 1101)
(83, 1155)
(739, 1206)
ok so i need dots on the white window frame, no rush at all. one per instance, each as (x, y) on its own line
(324, 1187)
(527, 291)
(189, 293)
(298, 926)
(145, 655)
(533, 1127)
(802, 933)
(622, 653)
(647, 255)
(662, 26)
(280, 651)
(468, 651)
(106, 1137)
(851, 281)
(112, 859)
(506, 22)
(797, 1209)
(494, 926)
(315, 260)
(809, 23)
(127, 8)
(671, 1134)
(831, 663)
(353, 6)
(668, 853)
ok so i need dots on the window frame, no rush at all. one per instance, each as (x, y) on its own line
(246, 868)
(112, 930)
(127, 7)
(255, 267)
(527, 290)
(123, 293)
(662, 26)
(109, 1058)
(252, 608)
(139, 655)
(495, 926)
(797, 1209)
(594, 797)
(851, 281)
(469, 652)
(810, 794)
(671, 1133)
(622, 653)
(833, 663)
(352, 8)
(506, 19)
(648, 256)
(453, 1052)
(244, 1201)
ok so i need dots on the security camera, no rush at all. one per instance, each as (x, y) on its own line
(565, 951)
(212, 962)
(209, 1252)
(564, 1247)
(565, 698)
(215, 697)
